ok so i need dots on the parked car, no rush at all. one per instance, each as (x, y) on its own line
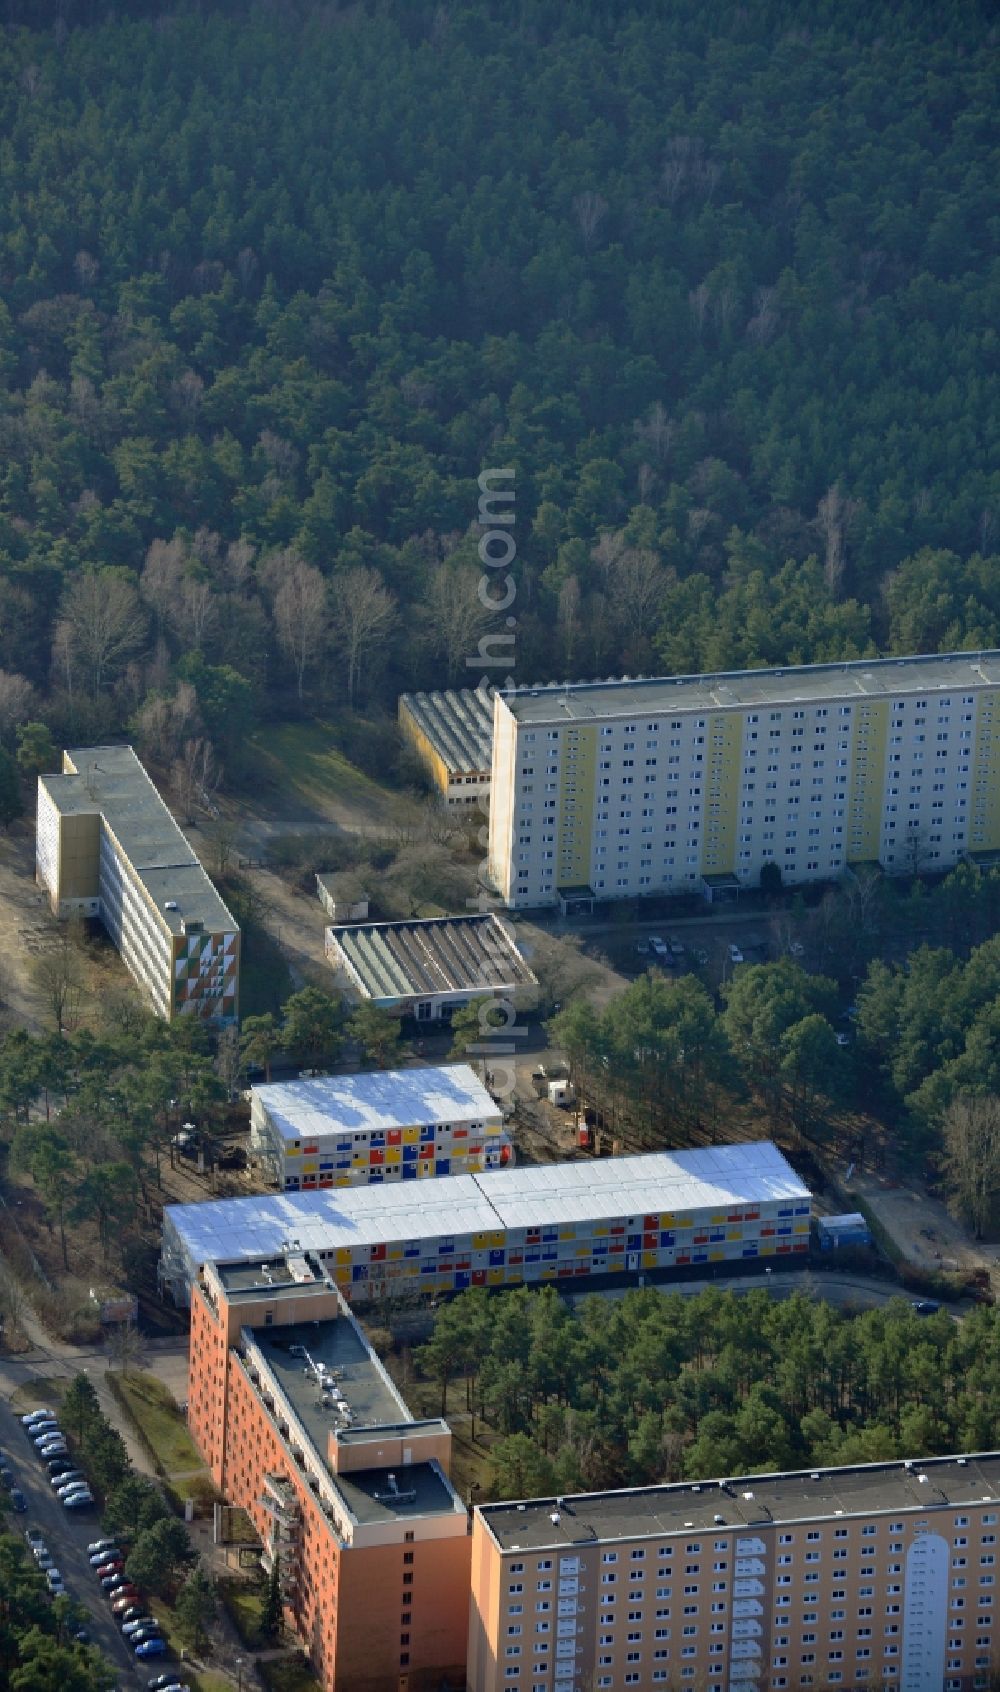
(80, 1635)
(58, 1465)
(54, 1446)
(65, 1486)
(925, 1306)
(42, 1432)
(153, 1631)
(735, 955)
(135, 1626)
(44, 1558)
(123, 1582)
(6, 1476)
(34, 1537)
(110, 1565)
(37, 1416)
(166, 1683)
(101, 1545)
(55, 1582)
(101, 1553)
(111, 1581)
(658, 945)
(66, 1477)
(151, 1648)
(124, 1601)
(796, 949)
(676, 949)
(18, 1501)
(78, 1501)
(699, 954)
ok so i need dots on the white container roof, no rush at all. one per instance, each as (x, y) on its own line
(241, 1229)
(319, 1106)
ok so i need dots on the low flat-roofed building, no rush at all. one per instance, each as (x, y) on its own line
(303, 1429)
(452, 734)
(554, 1222)
(878, 1573)
(384, 1125)
(107, 847)
(428, 969)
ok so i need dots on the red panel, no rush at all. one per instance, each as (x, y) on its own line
(394, 1137)
(479, 1277)
(651, 1221)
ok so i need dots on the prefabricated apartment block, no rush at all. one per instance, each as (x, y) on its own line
(876, 1576)
(107, 847)
(387, 1125)
(428, 969)
(557, 1222)
(303, 1429)
(452, 734)
(616, 789)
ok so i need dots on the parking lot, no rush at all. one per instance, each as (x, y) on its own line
(67, 1534)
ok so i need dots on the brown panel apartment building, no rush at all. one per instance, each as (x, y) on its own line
(881, 1575)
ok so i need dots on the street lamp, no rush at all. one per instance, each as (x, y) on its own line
(239, 1673)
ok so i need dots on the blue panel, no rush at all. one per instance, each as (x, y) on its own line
(666, 1237)
(701, 1257)
(600, 1248)
(463, 1279)
(802, 1210)
(359, 1272)
(550, 1234)
(549, 1256)
(750, 1250)
(428, 1268)
(409, 1171)
(717, 1234)
(497, 1257)
(291, 1183)
(635, 1242)
(427, 1131)
(375, 1177)
(410, 1154)
(378, 1140)
(532, 1256)
(445, 1245)
(442, 1166)
(412, 1250)
(343, 1163)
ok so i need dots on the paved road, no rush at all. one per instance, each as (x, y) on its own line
(67, 1534)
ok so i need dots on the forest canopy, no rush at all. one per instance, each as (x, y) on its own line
(278, 281)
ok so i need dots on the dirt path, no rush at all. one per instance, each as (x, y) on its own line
(923, 1228)
(27, 928)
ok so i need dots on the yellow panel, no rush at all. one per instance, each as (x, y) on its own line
(800, 1228)
(567, 1233)
(343, 1254)
(577, 785)
(723, 777)
(734, 1233)
(394, 1154)
(767, 1248)
(424, 1169)
(650, 1259)
(342, 1181)
(666, 1219)
(342, 1277)
(359, 1160)
(583, 1250)
(411, 1136)
(716, 1256)
(868, 762)
(311, 1167)
(600, 1233)
(720, 1216)
(497, 1237)
(479, 1241)
(293, 1151)
(394, 1253)
(614, 1263)
(494, 1277)
(548, 1271)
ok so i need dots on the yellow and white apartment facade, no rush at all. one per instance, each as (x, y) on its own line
(624, 788)
(106, 846)
(882, 1576)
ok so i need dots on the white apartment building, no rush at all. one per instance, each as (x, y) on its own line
(622, 788)
(106, 846)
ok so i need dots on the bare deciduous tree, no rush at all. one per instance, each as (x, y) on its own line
(456, 617)
(591, 209)
(656, 430)
(59, 976)
(300, 618)
(160, 582)
(195, 778)
(834, 516)
(568, 620)
(972, 1158)
(363, 614)
(17, 702)
(102, 626)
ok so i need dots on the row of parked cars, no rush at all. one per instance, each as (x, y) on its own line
(141, 1631)
(53, 1579)
(69, 1484)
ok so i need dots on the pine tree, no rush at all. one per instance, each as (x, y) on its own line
(270, 1621)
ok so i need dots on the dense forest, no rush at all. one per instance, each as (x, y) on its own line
(278, 280)
(656, 1386)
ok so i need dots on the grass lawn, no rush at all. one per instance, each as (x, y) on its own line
(207, 1682)
(303, 759)
(265, 980)
(157, 1414)
(288, 1674)
(40, 1394)
(244, 1602)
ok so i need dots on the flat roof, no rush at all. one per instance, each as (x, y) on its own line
(375, 1101)
(744, 1502)
(409, 960)
(863, 678)
(262, 1225)
(459, 725)
(110, 782)
(341, 1350)
(338, 1346)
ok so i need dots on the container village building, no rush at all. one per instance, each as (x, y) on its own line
(107, 847)
(350, 1494)
(383, 1126)
(618, 789)
(452, 734)
(428, 969)
(559, 1223)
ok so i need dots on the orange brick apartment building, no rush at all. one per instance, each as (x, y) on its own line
(302, 1427)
